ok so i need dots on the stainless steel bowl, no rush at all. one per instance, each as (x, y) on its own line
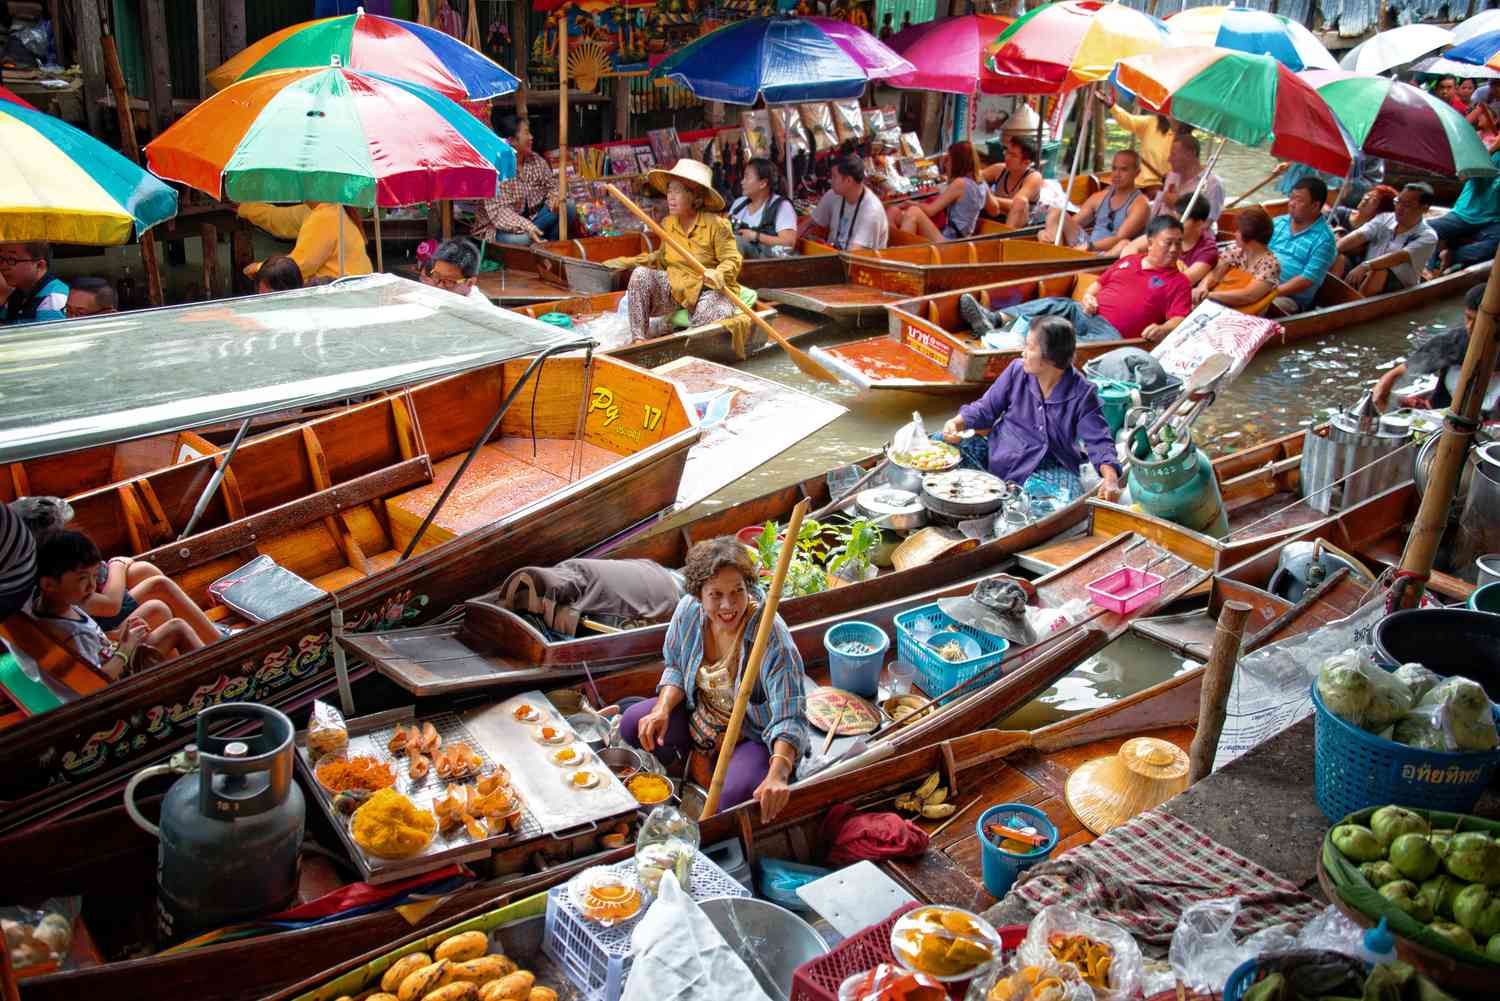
(771, 940)
(591, 729)
(620, 758)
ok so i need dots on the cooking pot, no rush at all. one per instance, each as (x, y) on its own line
(898, 510)
(964, 493)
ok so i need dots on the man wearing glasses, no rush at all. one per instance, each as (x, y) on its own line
(35, 293)
(454, 267)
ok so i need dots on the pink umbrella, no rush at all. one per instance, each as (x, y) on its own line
(949, 54)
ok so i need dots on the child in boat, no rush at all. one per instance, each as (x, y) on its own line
(67, 575)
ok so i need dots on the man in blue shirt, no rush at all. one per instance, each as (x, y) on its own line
(1304, 244)
(26, 268)
(1469, 233)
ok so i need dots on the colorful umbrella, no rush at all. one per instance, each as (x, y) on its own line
(1063, 46)
(783, 60)
(1438, 66)
(1241, 29)
(1481, 50)
(1397, 121)
(368, 42)
(1395, 47)
(6, 94)
(64, 186)
(332, 135)
(1253, 100)
(949, 54)
(1482, 22)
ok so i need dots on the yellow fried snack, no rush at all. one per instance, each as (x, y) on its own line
(388, 825)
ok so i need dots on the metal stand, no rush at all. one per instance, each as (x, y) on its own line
(340, 661)
(215, 480)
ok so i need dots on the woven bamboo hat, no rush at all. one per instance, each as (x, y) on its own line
(1106, 792)
(696, 175)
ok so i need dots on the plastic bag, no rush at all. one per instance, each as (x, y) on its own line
(1045, 621)
(786, 128)
(1124, 975)
(848, 121)
(40, 940)
(890, 983)
(910, 437)
(327, 733)
(1417, 679)
(609, 330)
(1204, 951)
(1359, 691)
(667, 842)
(1454, 716)
(1048, 980)
(757, 126)
(779, 881)
(911, 145)
(817, 119)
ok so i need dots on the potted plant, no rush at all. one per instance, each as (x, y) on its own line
(852, 559)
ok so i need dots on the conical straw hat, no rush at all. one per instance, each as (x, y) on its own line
(1106, 792)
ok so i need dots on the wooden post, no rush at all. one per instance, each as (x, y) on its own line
(90, 27)
(1452, 451)
(1216, 679)
(241, 254)
(562, 123)
(520, 37)
(131, 149)
(231, 27)
(447, 214)
(210, 264)
(159, 69)
(621, 88)
(210, 42)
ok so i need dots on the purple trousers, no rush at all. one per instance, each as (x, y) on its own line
(748, 766)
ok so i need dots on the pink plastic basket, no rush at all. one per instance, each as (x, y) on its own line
(1125, 590)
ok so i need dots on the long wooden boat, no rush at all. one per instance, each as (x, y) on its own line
(928, 348)
(335, 500)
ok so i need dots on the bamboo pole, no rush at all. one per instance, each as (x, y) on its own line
(752, 664)
(1215, 695)
(1459, 425)
(802, 359)
(129, 147)
(1263, 182)
(562, 123)
(380, 250)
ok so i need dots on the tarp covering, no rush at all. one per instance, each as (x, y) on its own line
(72, 384)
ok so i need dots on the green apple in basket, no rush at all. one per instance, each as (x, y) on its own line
(1403, 893)
(1390, 822)
(1473, 857)
(1414, 857)
(1457, 934)
(1478, 910)
(1380, 873)
(1443, 890)
(1358, 843)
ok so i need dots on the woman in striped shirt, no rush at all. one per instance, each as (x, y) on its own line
(707, 643)
(17, 561)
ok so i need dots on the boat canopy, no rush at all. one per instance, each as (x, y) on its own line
(72, 384)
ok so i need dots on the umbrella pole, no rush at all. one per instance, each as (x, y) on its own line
(342, 210)
(379, 250)
(562, 124)
(1083, 126)
(131, 149)
(1204, 176)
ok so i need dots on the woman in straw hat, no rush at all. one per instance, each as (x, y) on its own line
(662, 281)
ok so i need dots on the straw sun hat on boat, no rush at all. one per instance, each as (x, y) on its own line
(697, 176)
(1106, 792)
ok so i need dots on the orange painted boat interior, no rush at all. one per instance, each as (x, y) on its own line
(337, 498)
(977, 251)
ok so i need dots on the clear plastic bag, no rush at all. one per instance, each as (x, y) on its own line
(327, 733)
(1418, 679)
(610, 330)
(1454, 716)
(667, 842)
(1204, 951)
(40, 940)
(911, 436)
(786, 128)
(1123, 977)
(890, 983)
(1359, 691)
(848, 120)
(757, 126)
(1048, 980)
(817, 119)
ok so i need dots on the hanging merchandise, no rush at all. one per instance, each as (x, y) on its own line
(757, 125)
(787, 130)
(817, 119)
(848, 120)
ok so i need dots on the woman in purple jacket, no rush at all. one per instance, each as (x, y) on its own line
(1037, 412)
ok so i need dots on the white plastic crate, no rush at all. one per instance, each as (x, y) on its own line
(596, 959)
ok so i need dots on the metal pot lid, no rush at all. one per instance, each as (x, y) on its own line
(964, 492)
(879, 502)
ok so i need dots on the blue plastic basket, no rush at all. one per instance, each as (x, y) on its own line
(936, 675)
(1000, 867)
(1243, 978)
(1355, 769)
(860, 672)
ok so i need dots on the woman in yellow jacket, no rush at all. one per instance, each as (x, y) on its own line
(662, 281)
(315, 227)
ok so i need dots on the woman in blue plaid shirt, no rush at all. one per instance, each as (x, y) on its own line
(706, 647)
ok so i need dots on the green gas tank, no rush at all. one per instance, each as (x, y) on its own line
(1180, 488)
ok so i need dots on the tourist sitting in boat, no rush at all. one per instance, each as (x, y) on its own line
(707, 643)
(90, 297)
(1036, 413)
(1182, 178)
(849, 215)
(1109, 218)
(1153, 135)
(1016, 185)
(524, 209)
(1345, 219)
(67, 576)
(662, 282)
(1249, 253)
(1365, 174)
(964, 200)
(1200, 245)
(454, 267)
(330, 241)
(17, 561)
(1304, 244)
(765, 223)
(1394, 245)
(1470, 231)
(1441, 355)
(1144, 295)
(35, 293)
(278, 273)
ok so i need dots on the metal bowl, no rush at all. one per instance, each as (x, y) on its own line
(898, 510)
(620, 758)
(771, 940)
(591, 729)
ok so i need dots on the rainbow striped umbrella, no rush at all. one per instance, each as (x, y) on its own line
(1241, 29)
(411, 52)
(1060, 47)
(332, 135)
(64, 186)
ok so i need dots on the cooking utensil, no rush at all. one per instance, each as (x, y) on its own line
(1201, 383)
(964, 493)
(853, 493)
(898, 510)
(833, 731)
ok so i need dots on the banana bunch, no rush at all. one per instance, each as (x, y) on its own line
(929, 800)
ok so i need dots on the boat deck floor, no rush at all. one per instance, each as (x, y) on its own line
(509, 287)
(843, 300)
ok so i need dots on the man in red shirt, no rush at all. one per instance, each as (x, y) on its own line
(1143, 295)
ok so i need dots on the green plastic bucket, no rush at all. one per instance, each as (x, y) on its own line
(1114, 400)
(1486, 599)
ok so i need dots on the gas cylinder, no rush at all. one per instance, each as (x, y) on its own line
(1180, 488)
(231, 826)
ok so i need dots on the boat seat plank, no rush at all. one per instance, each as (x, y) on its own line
(57, 661)
(1045, 559)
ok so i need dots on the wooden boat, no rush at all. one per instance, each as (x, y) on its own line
(334, 499)
(929, 349)
(515, 282)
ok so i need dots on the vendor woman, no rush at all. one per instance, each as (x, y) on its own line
(1036, 413)
(707, 644)
(662, 281)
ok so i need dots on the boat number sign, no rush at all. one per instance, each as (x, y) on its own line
(615, 413)
(926, 344)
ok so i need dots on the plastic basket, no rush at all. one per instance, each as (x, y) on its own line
(860, 672)
(596, 959)
(1244, 977)
(999, 867)
(819, 979)
(1125, 590)
(1355, 769)
(936, 675)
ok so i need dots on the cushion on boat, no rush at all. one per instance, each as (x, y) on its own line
(682, 319)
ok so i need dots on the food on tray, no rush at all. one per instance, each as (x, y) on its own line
(423, 981)
(491, 780)
(418, 765)
(457, 761)
(605, 894)
(583, 779)
(550, 733)
(339, 774)
(390, 826)
(1092, 958)
(946, 942)
(327, 733)
(930, 457)
(567, 756)
(430, 739)
(390, 981)
(526, 713)
(648, 787)
(400, 739)
(514, 987)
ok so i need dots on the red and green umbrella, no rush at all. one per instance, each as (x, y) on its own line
(1249, 99)
(332, 135)
(402, 49)
(1396, 121)
(1062, 46)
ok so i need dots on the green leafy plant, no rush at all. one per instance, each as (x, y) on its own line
(804, 573)
(858, 542)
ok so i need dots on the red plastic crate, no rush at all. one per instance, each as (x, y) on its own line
(819, 979)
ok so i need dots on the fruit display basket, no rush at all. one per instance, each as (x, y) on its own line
(1448, 963)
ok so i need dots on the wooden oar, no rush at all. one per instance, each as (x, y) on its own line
(752, 665)
(803, 360)
(1267, 180)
